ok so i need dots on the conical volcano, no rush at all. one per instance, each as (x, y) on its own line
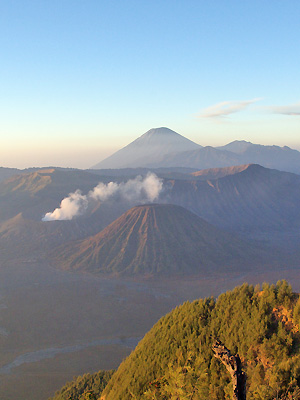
(163, 239)
(148, 149)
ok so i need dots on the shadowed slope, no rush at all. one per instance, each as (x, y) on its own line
(22, 238)
(157, 239)
(201, 158)
(254, 201)
(282, 158)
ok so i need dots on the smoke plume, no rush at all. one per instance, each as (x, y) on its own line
(138, 190)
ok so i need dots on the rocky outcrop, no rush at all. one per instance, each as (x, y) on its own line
(234, 367)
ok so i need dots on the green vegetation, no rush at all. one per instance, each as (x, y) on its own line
(175, 360)
(86, 387)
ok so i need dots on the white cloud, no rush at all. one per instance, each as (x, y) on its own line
(225, 108)
(292, 109)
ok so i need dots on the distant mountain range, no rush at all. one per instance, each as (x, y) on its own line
(164, 148)
(248, 200)
(159, 239)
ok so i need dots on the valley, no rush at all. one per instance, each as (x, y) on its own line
(55, 324)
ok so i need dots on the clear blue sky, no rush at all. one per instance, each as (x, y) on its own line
(81, 79)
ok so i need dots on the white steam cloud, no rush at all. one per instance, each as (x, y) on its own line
(75, 204)
(139, 190)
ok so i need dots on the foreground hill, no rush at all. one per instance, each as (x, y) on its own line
(175, 360)
(88, 386)
(159, 238)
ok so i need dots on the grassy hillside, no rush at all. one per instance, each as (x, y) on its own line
(86, 387)
(175, 360)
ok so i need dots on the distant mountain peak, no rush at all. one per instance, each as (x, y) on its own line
(164, 136)
(148, 149)
(160, 131)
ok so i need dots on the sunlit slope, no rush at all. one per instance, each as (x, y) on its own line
(159, 238)
(84, 387)
(216, 173)
(175, 360)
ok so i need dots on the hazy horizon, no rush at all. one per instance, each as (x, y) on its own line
(76, 159)
(81, 80)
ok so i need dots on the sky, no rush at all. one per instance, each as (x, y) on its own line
(82, 79)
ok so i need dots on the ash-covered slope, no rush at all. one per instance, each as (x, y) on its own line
(158, 238)
(148, 149)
